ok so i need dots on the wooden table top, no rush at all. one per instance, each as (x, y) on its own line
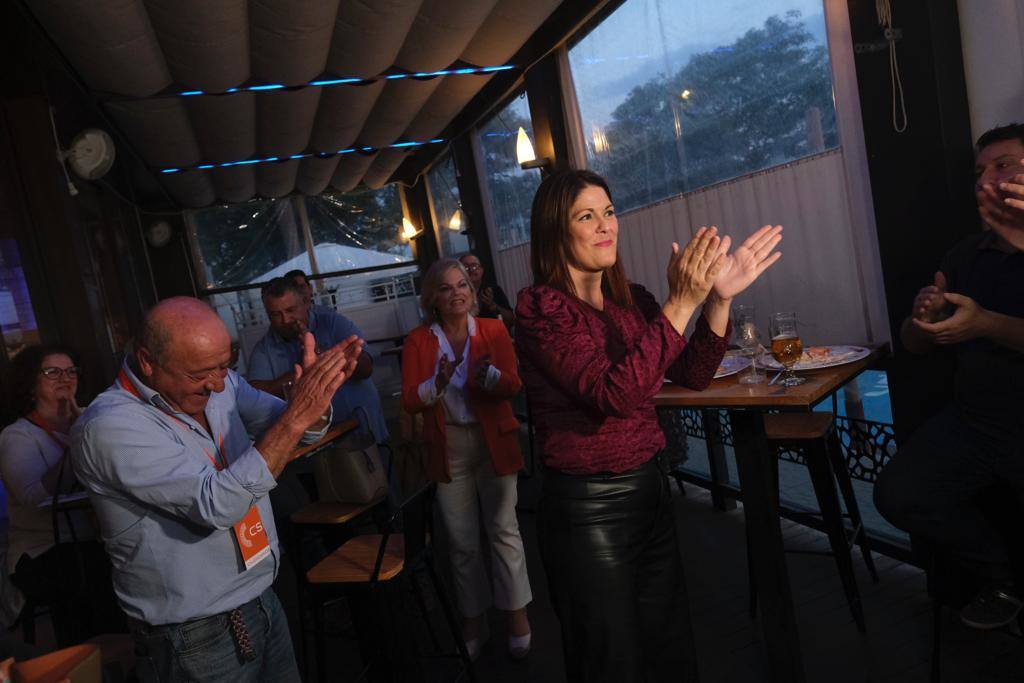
(729, 393)
(333, 433)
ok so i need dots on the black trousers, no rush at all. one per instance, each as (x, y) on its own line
(932, 487)
(608, 543)
(73, 580)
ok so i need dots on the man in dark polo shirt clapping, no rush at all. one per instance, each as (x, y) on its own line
(975, 310)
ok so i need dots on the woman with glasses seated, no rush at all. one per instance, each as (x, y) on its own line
(71, 577)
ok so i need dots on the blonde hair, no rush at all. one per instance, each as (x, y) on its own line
(432, 282)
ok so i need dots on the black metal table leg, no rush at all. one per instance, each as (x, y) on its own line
(778, 617)
(717, 464)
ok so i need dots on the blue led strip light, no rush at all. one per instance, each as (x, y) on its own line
(326, 82)
(303, 155)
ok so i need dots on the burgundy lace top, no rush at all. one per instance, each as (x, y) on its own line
(591, 376)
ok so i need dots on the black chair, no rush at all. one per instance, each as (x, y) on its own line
(328, 518)
(374, 564)
(814, 435)
(525, 416)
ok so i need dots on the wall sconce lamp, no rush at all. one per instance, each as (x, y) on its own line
(455, 222)
(409, 231)
(525, 154)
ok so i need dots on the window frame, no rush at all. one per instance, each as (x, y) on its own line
(481, 169)
(299, 207)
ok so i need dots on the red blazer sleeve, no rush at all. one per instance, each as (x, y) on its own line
(419, 360)
(503, 357)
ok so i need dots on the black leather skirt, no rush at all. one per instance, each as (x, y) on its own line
(608, 543)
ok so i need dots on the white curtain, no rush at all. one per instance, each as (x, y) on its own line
(992, 36)
(817, 276)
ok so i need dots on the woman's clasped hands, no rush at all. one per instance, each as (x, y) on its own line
(705, 265)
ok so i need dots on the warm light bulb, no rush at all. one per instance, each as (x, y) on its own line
(409, 230)
(685, 94)
(524, 148)
(455, 222)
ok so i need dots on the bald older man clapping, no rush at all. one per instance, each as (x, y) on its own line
(180, 489)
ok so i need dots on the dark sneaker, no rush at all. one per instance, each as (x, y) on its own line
(993, 608)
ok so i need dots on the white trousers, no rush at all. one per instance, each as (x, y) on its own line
(475, 488)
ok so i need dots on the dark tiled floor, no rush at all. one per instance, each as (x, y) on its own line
(896, 647)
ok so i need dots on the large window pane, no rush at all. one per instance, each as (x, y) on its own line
(357, 230)
(245, 243)
(252, 243)
(511, 188)
(678, 94)
(444, 202)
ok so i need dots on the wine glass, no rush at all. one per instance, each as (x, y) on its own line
(748, 338)
(786, 346)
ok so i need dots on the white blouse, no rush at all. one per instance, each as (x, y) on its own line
(26, 454)
(454, 398)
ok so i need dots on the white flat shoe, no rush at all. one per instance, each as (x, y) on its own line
(519, 646)
(475, 645)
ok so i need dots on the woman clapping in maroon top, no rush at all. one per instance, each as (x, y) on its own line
(593, 350)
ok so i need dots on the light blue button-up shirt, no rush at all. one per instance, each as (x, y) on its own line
(274, 356)
(166, 513)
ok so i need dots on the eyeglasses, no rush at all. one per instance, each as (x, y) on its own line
(54, 373)
(473, 267)
(219, 373)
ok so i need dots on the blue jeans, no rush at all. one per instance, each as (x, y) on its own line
(206, 649)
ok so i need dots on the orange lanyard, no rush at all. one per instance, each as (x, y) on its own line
(35, 418)
(126, 384)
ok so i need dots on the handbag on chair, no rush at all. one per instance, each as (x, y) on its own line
(351, 471)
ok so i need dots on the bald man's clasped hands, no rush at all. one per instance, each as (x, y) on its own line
(309, 401)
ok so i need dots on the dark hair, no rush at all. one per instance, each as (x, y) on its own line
(550, 247)
(1012, 131)
(292, 274)
(280, 286)
(20, 379)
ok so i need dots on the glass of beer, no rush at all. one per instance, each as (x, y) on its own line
(786, 346)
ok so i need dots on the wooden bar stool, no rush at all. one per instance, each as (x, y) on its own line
(374, 562)
(814, 434)
(318, 515)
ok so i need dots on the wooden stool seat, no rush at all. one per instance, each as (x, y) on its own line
(78, 662)
(797, 426)
(323, 512)
(353, 562)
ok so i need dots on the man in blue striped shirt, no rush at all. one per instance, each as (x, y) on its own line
(180, 491)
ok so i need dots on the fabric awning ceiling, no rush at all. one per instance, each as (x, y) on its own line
(131, 53)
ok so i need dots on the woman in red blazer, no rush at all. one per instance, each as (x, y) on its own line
(460, 372)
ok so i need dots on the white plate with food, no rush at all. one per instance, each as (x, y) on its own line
(818, 357)
(731, 364)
